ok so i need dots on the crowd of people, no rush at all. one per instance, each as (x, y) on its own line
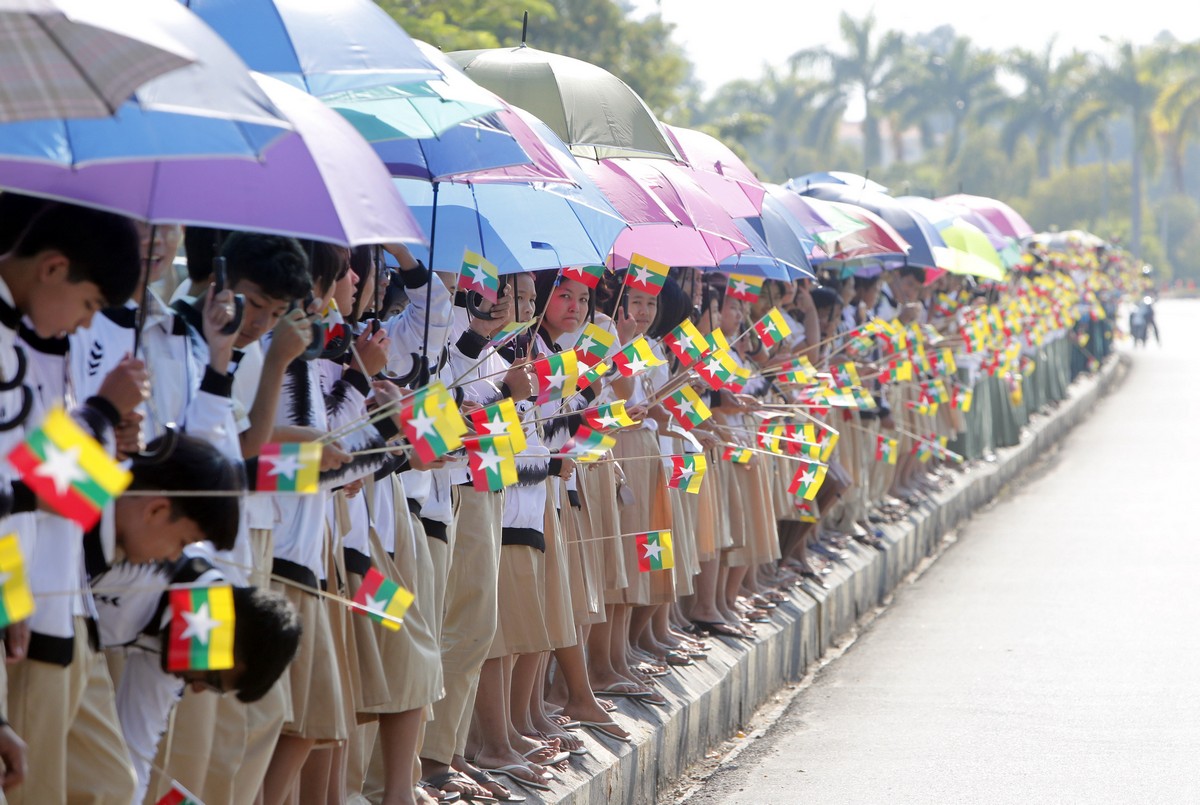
(560, 491)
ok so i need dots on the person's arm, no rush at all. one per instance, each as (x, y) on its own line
(289, 339)
(13, 754)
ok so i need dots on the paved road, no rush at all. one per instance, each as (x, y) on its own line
(1052, 655)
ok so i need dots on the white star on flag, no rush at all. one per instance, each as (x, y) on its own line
(556, 380)
(637, 366)
(199, 624)
(740, 286)
(489, 460)
(685, 407)
(62, 467)
(633, 272)
(769, 325)
(286, 466)
(423, 424)
(653, 550)
(376, 605)
(496, 426)
(808, 477)
(686, 473)
(685, 343)
(608, 421)
(585, 343)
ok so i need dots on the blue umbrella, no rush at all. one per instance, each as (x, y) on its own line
(834, 177)
(211, 107)
(785, 236)
(761, 260)
(926, 242)
(503, 221)
(473, 146)
(322, 48)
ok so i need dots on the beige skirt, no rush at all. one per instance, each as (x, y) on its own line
(521, 596)
(560, 617)
(752, 516)
(583, 563)
(709, 505)
(314, 683)
(598, 493)
(648, 510)
(683, 539)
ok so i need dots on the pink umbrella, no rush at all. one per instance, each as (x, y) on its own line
(673, 220)
(1002, 216)
(720, 172)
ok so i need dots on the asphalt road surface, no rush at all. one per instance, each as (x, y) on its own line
(1052, 655)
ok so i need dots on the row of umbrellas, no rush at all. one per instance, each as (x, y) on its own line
(325, 120)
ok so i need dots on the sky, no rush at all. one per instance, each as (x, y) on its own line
(730, 39)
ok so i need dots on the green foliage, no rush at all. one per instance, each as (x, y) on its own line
(464, 24)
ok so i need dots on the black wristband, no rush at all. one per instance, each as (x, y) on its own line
(215, 383)
(555, 467)
(505, 391)
(23, 498)
(358, 380)
(387, 428)
(105, 408)
(414, 278)
(471, 344)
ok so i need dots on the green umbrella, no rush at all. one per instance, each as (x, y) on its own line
(969, 252)
(592, 110)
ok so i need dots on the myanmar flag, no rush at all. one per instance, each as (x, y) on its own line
(594, 344)
(480, 275)
(587, 444)
(501, 419)
(807, 480)
(686, 342)
(332, 322)
(738, 455)
(200, 633)
(829, 440)
(289, 467)
(716, 340)
(806, 511)
(923, 407)
(636, 358)
(772, 328)
(886, 449)
(741, 375)
(556, 375)
(748, 289)
(591, 376)
(178, 795)
(68, 469)
(382, 596)
(431, 422)
(16, 604)
(588, 275)
(491, 461)
(687, 408)
(716, 369)
(608, 417)
(962, 399)
(508, 332)
(899, 370)
(646, 275)
(687, 472)
(654, 551)
(923, 451)
(845, 375)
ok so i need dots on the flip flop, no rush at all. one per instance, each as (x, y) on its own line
(598, 726)
(722, 629)
(481, 777)
(508, 771)
(622, 694)
(454, 776)
(555, 758)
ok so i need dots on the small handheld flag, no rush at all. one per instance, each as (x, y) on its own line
(591, 376)
(200, 632)
(808, 480)
(432, 423)
(886, 449)
(738, 455)
(772, 328)
(480, 275)
(743, 287)
(16, 603)
(588, 275)
(491, 461)
(594, 344)
(608, 417)
(687, 408)
(382, 596)
(508, 332)
(68, 469)
(587, 445)
(687, 472)
(556, 375)
(646, 275)
(289, 467)
(654, 551)
(686, 342)
(501, 419)
(717, 368)
(636, 358)
(178, 795)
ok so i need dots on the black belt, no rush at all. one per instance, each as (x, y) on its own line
(297, 573)
(356, 561)
(530, 537)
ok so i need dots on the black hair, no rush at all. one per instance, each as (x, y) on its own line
(605, 294)
(824, 298)
(673, 307)
(362, 261)
(327, 263)
(101, 247)
(196, 464)
(396, 293)
(265, 639)
(865, 283)
(276, 264)
(201, 245)
(913, 271)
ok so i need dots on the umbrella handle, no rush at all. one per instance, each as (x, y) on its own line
(23, 414)
(239, 301)
(18, 377)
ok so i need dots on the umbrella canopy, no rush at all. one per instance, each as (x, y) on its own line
(673, 220)
(922, 236)
(589, 108)
(74, 58)
(503, 221)
(835, 177)
(761, 259)
(211, 107)
(974, 253)
(719, 171)
(859, 236)
(473, 146)
(947, 216)
(1002, 216)
(320, 46)
(320, 181)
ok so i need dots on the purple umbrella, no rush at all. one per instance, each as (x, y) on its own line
(321, 181)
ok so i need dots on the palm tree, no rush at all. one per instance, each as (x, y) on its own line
(1127, 86)
(1049, 97)
(1091, 124)
(859, 74)
(1176, 116)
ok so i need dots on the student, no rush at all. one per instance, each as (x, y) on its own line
(59, 265)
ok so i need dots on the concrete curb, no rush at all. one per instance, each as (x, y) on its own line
(710, 702)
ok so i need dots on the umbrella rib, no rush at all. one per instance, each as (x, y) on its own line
(74, 62)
